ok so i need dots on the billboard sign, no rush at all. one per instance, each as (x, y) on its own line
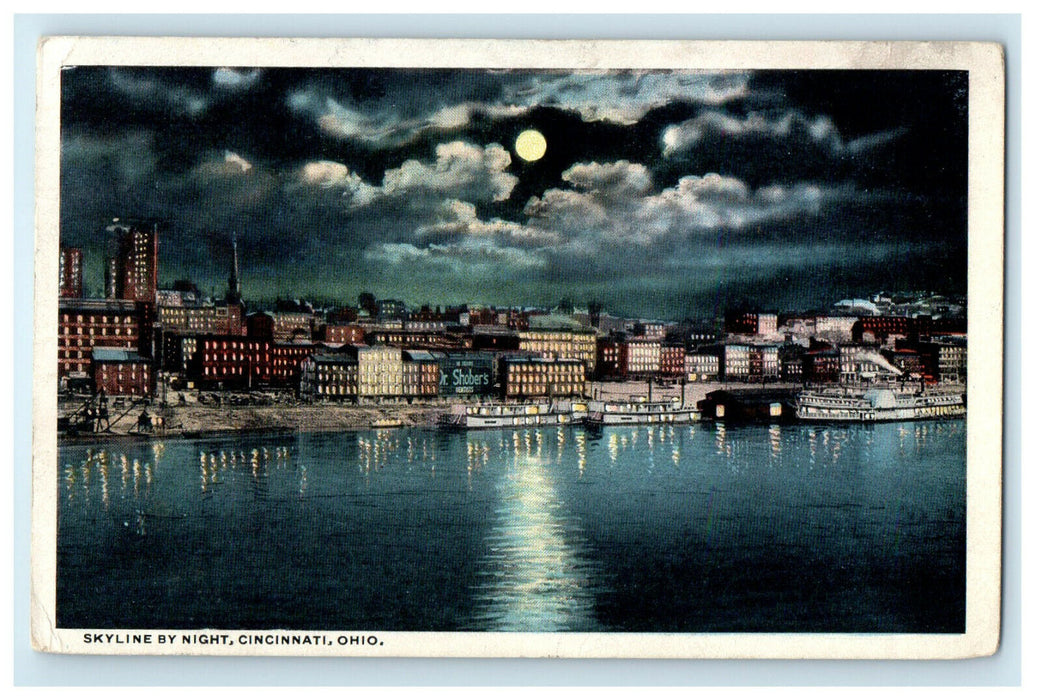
(467, 374)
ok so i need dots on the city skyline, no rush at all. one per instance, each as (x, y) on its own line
(72, 287)
(660, 194)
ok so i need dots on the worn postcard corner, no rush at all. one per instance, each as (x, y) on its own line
(518, 349)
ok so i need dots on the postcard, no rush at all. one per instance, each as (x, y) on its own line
(518, 348)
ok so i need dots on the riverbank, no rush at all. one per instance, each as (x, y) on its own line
(194, 418)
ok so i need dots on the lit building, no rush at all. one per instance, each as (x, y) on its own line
(837, 329)
(512, 319)
(181, 309)
(134, 269)
(372, 323)
(909, 361)
(348, 334)
(331, 377)
(86, 323)
(698, 333)
(70, 273)
(763, 363)
(951, 362)
(881, 328)
(177, 351)
(421, 374)
(671, 360)
(422, 325)
(945, 361)
(790, 356)
(655, 330)
(641, 357)
(293, 325)
(495, 338)
(798, 327)
(391, 308)
(286, 361)
(702, 367)
(858, 363)
(224, 319)
(610, 352)
(562, 344)
(821, 366)
(792, 369)
(121, 372)
(751, 323)
(736, 362)
(183, 293)
(380, 370)
(399, 337)
(230, 361)
(541, 377)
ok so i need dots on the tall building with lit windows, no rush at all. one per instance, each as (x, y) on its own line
(70, 273)
(133, 272)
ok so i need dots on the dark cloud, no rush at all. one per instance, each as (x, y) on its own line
(383, 109)
(658, 190)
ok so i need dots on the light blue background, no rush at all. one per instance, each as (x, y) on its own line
(31, 668)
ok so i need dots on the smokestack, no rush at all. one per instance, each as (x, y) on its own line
(234, 294)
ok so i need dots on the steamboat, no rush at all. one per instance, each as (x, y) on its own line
(879, 404)
(640, 412)
(519, 415)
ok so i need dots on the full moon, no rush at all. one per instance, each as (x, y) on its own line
(530, 145)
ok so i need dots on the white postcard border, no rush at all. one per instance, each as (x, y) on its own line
(985, 324)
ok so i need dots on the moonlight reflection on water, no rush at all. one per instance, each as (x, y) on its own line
(665, 528)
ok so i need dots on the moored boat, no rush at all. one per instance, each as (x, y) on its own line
(518, 415)
(879, 404)
(640, 412)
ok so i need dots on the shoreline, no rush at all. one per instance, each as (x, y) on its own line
(88, 438)
(197, 420)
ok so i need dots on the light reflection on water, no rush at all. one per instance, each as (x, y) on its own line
(533, 578)
(376, 450)
(521, 530)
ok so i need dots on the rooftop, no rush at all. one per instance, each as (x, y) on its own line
(420, 355)
(334, 360)
(555, 322)
(115, 355)
(534, 359)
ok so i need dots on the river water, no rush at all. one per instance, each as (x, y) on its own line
(760, 528)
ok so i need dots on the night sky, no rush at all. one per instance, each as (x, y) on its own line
(664, 194)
